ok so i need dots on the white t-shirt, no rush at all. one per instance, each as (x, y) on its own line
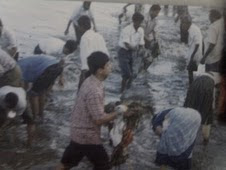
(20, 92)
(91, 41)
(131, 36)
(78, 12)
(7, 40)
(215, 36)
(52, 46)
(6, 62)
(195, 37)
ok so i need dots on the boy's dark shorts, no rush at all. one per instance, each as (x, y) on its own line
(125, 63)
(96, 154)
(215, 67)
(46, 79)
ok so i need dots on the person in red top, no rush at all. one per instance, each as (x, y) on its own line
(87, 117)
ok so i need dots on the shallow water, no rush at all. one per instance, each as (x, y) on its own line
(164, 86)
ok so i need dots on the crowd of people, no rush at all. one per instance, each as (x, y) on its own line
(25, 83)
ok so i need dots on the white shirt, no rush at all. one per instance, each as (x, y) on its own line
(20, 92)
(78, 12)
(149, 27)
(215, 36)
(131, 36)
(7, 40)
(6, 62)
(91, 41)
(52, 46)
(195, 37)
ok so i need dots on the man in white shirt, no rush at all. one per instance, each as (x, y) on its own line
(55, 47)
(13, 103)
(194, 53)
(83, 10)
(150, 24)
(214, 41)
(131, 39)
(7, 41)
(10, 73)
(91, 41)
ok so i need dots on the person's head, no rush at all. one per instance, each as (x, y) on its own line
(137, 19)
(214, 15)
(86, 5)
(10, 100)
(70, 46)
(186, 22)
(154, 10)
(84, 23)
(99, 64)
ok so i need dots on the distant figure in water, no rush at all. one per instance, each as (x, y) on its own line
(78, 12)
(87, 117)
(201, 97)
(131, 40)
(177, 128)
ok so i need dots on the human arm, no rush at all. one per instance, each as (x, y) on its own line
(209, 50)
(191, 62)
(67, 28)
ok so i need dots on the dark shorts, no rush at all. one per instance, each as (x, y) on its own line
(46, 79)
(215, 67)
(125, 63)
(96, 154)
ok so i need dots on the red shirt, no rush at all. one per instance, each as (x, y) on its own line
(89, 106)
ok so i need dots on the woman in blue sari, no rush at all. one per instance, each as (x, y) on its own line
(177, 129)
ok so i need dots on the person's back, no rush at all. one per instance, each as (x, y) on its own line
(34, 66)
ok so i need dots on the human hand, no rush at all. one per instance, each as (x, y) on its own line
(120, 109)
(66, 32)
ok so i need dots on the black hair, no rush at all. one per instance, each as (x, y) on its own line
(96, 61)
(137, 17)
(84, 22)
(215, 13)
(11, 100)
(71, 45)
(86, 2)
(155, 7)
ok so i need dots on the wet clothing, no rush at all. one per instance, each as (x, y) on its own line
(96, 154)
(200, 96)
(42, 71)
(177, 141)
(125, 62)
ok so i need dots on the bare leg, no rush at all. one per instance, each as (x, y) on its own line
(123, 84)
(206, 133)
(34, 100)
(30, 134)
(42, 104)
